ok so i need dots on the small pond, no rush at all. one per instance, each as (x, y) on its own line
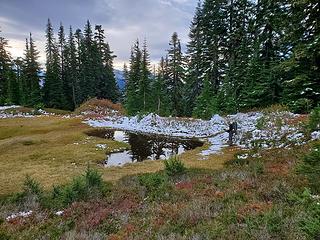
(144, 146)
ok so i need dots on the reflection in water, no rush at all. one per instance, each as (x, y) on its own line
(148, 147)
(144, 146)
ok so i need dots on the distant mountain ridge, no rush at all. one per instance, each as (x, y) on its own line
(120, 79)
(119, 75)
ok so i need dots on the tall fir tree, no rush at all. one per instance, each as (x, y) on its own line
(144, 83)
(53, 87)
(106, 79)
(71, 84)
(302, 69)
(31, 69)
(195, 71)
(176, 78)
(88, 55)
(5, 68)
(133, 102)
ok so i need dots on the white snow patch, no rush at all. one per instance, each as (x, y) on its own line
(271, 133)
(59, 213)
(315, 135)
(19, 214)
(155, 124)
(101, 146)
(2, 108)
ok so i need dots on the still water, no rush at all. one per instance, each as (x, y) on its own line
(144, 146)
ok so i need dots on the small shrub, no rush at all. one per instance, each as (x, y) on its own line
(156, 184)
(39, 106)
(314, 119)
(276, 108)
(82, 188)
(257, 167)
(31, 196)
(310, 222)
(31, 186)
(174, 166)
(302, 105)
(261, 123)
(310, 168)
(4, 236)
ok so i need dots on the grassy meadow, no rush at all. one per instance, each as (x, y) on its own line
(53, 150)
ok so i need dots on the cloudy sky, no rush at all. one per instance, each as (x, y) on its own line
(123, 21)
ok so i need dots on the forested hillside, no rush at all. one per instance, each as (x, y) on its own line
(241, 55)
(78, 67)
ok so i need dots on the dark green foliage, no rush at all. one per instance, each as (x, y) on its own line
(88, 186)
(206, 105)
(32, 193)
(4, 65)
(156, 184)
(133, 102)
(31, 186)
(252, 53)
(310, 167)
(314, 119)
(4, 236)
(53, 89)
(176, 75)
(174, 166)
(160, 98)
(30, 71)
(77, 68)
(310, 224)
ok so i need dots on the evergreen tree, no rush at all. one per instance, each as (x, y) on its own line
(66, 82)
(215, 41)
(195, 71)
(5, 68)
(302, 69)
(264, 80)
(17, 88)
(106, 79)
(88, 55)
(205, 103)
(159, 95)
(53, 87)
(72, 88)
(133, 102)
(144, 83)
(175, 81)
(31, 69)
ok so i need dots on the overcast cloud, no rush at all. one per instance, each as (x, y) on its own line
(123, 21)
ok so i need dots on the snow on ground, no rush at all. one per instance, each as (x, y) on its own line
(15, 113)
(154, 124)
(2, 108)
(315, 135)
(18, 215)
(255, 129)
